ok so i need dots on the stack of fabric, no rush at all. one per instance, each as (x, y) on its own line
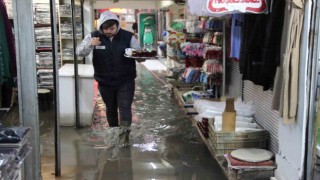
(194, 27)
(190, 96)
(175, 37)
(193, 49)
(259, 160)
(250, 157)
(191, 75)
(213, 110)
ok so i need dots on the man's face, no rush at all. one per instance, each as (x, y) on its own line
(111, 31)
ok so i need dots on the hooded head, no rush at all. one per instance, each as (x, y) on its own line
(108, 23)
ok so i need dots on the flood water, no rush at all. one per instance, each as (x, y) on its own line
(163, 143)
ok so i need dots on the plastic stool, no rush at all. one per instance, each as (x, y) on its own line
(44, 98)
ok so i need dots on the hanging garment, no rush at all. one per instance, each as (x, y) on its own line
(4, 55)
(251, 47)
(207, 38)
(190, 75)
(10, 39)
(203, 78)
(289, 71)
(208, 23)
(260, 45)
(236, 32)
(196, 76)
(271, 48)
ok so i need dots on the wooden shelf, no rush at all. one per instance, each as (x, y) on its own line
(67, 38)
(44, 67)
(71, 59)
(70, 16)
(44, 50)
(42, 25)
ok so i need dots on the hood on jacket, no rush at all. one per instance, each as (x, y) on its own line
(105, 16)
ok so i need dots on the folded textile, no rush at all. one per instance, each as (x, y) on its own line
(217, 108)
(236, 162)
(238, 129)
(218, 124)
(238, 118)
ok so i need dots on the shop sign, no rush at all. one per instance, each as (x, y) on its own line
(237, 6)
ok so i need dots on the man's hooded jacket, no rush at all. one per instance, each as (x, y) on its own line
(110, 65)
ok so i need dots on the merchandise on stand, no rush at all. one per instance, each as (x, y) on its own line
(251, 163)
(14, 148)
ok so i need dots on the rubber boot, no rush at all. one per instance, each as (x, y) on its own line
(112, 137)
(124, 133)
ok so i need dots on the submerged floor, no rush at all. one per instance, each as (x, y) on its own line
(164, 144)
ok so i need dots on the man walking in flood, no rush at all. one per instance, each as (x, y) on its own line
(114, 72)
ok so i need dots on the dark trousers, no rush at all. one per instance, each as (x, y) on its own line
(120, 98)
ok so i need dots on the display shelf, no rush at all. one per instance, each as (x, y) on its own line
(68, 16)
(43, 41)
(231, 174)
(66, 29)
(14, 154)
(68, 59)
(24, 139)
(45, 76)
(42, 25)
(69, 38)
(45, 86)
(44, 68)
(44, 50)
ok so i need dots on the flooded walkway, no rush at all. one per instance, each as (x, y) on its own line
(163, 143)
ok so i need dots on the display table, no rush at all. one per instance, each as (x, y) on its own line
(67, 94)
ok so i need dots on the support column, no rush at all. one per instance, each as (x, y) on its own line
(224, 59)
(27, 82)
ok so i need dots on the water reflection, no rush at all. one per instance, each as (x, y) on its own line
(115, 163)
(164, 145)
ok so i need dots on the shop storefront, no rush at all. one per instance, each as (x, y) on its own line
(201, 42)
(238, 82)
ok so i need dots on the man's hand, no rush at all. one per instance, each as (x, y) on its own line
(135, 35)
(95, 41)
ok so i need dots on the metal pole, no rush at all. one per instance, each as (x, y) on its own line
(224, 58)
(27, 83)
(76, 76)
(313, 117)
(156, 28)
(82, 18)
(159, 17)
(57, 147)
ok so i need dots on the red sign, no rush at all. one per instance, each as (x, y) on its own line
(242, 6)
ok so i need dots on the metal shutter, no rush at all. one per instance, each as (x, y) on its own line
(233, 80)
(262, 100)
(266, 117)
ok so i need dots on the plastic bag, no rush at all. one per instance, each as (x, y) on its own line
(238, 118)
(238, 129)
(206, 106)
